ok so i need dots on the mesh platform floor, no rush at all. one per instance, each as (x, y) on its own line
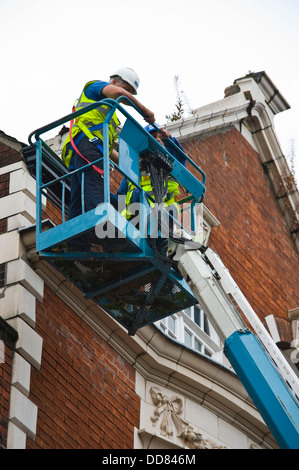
(135, 292)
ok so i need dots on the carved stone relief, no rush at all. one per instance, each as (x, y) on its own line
(167, 414)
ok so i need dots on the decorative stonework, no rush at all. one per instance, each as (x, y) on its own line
(167, 412)
(19, 291)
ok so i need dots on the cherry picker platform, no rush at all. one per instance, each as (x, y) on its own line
(105, 255)
(129, 272)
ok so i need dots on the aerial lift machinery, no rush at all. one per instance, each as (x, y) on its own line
(142, 272)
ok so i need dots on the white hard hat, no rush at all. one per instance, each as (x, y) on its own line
(129, 76)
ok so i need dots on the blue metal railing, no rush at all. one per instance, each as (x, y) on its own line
(41, 146)
(150, 287)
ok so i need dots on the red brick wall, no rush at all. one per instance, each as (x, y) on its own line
(253, 239)
(52, 213)
(8, 155)
(5, 384)
(84, 390)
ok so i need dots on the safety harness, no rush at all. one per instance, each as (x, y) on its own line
(83, 133)
(91, 126)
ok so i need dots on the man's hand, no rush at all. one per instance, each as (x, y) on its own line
(149, 116)
(114, 92)
(114, 156)
(164, 133)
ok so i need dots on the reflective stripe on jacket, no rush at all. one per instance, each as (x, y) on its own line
(95, 117)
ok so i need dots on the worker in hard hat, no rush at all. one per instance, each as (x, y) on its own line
(128, 189)
(84, 143)
(163, 136)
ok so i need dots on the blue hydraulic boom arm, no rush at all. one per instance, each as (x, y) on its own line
(265, 373)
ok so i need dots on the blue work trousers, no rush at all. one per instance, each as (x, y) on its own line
(93, 181)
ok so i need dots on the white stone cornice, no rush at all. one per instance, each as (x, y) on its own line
(270, 93)
(219, 115)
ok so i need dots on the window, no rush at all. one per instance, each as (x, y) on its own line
(197, 315)
(199, 333)
(207, 352)
(168, 326)
(188, 338)
(171, 324)
(162, 325)
(188, 312)
(206, 326)
(197, 345)
(192, 328)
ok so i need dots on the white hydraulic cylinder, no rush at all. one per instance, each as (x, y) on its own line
(231, 288)
(207, 291)
(212, 284)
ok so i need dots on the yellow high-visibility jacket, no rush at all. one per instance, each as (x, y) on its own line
(145, 183)
(85, 122)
